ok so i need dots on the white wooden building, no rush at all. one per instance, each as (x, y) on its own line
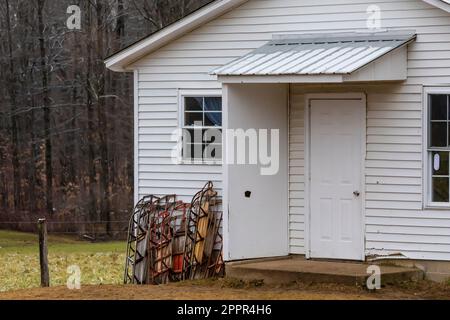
(359, 90)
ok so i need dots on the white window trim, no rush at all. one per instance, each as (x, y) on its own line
(182, 93)
(428, 204)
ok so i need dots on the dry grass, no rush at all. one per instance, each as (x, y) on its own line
(100, 263)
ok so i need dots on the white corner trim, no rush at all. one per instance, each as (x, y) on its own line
(225, 178)
(124, 58)
(136, 136)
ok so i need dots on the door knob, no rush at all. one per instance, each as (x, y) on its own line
(356, 193)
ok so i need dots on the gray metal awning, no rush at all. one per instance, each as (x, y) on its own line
(323, 54)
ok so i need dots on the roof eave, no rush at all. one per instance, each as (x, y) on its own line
(120, 61)
(439, 4)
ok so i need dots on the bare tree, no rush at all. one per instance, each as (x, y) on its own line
(13, 111)
(46, 106)
(66, 123)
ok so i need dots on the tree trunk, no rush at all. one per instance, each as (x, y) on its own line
(34, 151)
(102, 122)
(46, 109)
(13, 115)
(92, 203)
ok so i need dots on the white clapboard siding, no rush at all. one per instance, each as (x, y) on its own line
(297, 173)
(395, 220)
(157, 121)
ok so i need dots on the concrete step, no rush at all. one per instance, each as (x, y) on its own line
(298, 269)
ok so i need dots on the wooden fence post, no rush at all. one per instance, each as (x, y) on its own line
(43, 253)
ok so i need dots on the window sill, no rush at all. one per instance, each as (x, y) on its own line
(437, 206)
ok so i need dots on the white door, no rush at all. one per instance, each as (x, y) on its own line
(336, 146)
(257, 203)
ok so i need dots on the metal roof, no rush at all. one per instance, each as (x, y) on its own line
(316, 54)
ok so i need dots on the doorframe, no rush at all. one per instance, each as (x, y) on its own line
(307, 116)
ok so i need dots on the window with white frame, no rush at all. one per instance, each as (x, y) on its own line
(201, 127)
(438, 148)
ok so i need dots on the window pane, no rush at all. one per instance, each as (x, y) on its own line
(197, 150)
(193, 104)
(448, 131)
(213, 104)
(193, 118)
(212, 135)
(439, 163)
(438, 104)
(440, 190)
(213, 119)
(438, 134)
(213, 151)
(193, 151)
(193, 135)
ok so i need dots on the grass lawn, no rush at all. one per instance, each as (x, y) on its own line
(100, 263)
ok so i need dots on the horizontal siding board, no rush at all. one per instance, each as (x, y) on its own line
(405, 164)
(393, 131)
(409, 221)
(297, 214)
(405, 245)
(181, 175)
(319, 8)
(189, 192)
(411, 254)
(391, 196)
(411, 232)
(175, 184)
(409, 238)
(394, 180)
(408, 156)
(394, 205)
(394, 189)
(416, 214)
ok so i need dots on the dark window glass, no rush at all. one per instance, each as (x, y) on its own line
(213, 104)
(448, 131)
(213, 119)
(439, 163)
(438, 104)
(440, 190)
(193, 104)
(193, 118)
(438, 134)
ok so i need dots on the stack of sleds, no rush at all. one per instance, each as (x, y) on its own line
(169, 240)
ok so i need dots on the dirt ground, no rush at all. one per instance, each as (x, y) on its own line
(233, 290)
